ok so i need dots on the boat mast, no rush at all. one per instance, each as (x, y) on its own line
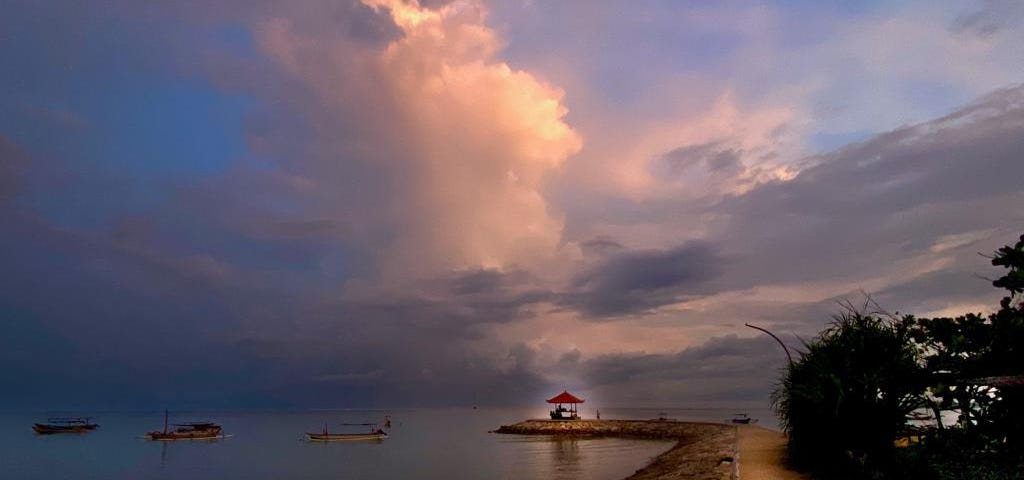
(165, 420)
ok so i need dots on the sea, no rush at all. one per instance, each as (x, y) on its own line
(429, 444)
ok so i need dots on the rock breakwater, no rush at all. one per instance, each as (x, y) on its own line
(703, 451)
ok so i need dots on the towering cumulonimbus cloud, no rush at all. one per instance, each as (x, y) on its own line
(363, 202)
(469, 140)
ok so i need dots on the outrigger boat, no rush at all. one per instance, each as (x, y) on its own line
(663, 417)
(187, 431)
(325, 436)
(743, 418)
(65, 425)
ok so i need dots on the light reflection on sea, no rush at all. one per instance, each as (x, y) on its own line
(424, 444)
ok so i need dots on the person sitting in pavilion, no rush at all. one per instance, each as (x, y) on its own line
(563, 413)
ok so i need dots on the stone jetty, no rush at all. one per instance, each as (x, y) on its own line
(703, 451)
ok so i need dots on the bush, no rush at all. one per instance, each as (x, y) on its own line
(846, 398)
(953, 454)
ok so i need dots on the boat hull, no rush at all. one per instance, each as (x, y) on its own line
(344, 437)
(54, 429)
(173, 436)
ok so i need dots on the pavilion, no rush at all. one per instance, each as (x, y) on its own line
(562, 413)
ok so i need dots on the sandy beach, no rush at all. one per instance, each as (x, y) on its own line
(704, 451)
(762, 453)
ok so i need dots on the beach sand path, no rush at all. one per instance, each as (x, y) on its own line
(762, 455)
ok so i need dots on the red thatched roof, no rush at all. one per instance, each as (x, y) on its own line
(565, 397)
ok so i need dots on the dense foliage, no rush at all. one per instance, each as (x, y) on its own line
(848, 396)
(846, 400)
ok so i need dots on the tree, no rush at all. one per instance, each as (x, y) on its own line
(976, 367)
(846, 398)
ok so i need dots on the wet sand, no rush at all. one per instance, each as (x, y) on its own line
(703, 451)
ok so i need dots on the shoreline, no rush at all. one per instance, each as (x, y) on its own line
(703, 451)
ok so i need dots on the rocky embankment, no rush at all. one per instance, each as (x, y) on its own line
(703, 451)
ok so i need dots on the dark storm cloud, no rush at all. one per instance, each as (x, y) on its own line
(929, 196)
(254, 285)
(714, 157)
(62, 119)
(201, 333)
(350, 19)
(991, 18)
(13, 161)
(151, 285)
(944, 189)
(938, 290)
(391, 353)
(458, 305)
(886, 199)
(415, 367)
(85, 294)
(633, 282)
(600, 246)
(729, 369)
(489, 296)
(315, 228)
(422, 343)
(479, 281)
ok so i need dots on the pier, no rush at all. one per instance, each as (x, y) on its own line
(703, 451)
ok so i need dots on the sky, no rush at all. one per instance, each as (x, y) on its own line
(385, 203)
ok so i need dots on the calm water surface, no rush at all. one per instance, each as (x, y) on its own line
(424, 444)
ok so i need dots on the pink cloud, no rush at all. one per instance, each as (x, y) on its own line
(478, 138)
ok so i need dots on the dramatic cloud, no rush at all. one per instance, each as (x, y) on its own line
(477, 137)
(902, 190)
(740, 369)
(989, 20)
(637, 281)
(323, 203)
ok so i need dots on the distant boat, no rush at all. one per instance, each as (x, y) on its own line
(743, 418)
(325, 436)
(663, 417)
(187, 431)
(65, 425)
